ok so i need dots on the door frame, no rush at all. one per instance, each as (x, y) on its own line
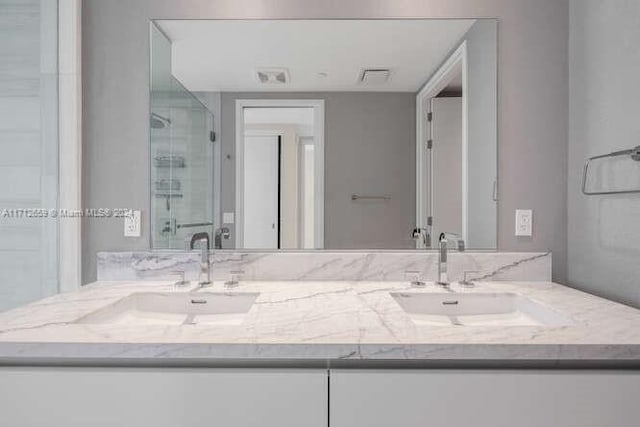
(434, 85)
(301, 211)
(318, 135)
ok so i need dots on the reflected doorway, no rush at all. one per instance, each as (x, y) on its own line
(280, 174)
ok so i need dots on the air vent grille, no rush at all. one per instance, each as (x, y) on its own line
(374, 76)
(276, 76)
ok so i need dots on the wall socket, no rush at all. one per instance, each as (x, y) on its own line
(524, 222)
(228, 217)
(132, 224)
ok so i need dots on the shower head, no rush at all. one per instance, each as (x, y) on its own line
(159, 122)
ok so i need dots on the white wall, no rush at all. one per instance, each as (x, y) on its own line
(604, 67)
(482, 104)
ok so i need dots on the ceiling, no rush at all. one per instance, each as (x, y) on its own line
(319, 55)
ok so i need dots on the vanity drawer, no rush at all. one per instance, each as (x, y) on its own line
(484, 398)
(162, 397)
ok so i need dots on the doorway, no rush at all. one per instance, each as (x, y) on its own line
(441, 152)
(280, 174)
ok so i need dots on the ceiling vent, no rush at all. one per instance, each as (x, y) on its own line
(276, 76)
(374, 76)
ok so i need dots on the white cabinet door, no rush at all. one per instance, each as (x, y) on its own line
(162, 397)
(484, 398)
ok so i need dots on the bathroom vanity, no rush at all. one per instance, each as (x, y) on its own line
(343, 353)
(339, 178)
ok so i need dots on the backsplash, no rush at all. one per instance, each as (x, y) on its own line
(348, 265)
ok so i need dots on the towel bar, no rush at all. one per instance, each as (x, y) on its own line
(634, 153)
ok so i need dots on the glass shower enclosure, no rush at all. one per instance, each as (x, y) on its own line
(29, 157)
(181, 155)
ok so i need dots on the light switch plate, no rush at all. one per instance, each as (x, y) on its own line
(132, 224)
(228, 218)
(524, 222)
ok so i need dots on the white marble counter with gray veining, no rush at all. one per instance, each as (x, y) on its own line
(321, 321)
(325, 265)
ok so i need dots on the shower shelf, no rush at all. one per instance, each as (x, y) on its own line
(633, 153)
(168, 185)
(169, 161)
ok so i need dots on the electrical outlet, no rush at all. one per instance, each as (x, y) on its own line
(132, 224)
(228, 217)
(524, 222)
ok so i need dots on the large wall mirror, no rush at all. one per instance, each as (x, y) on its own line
(323, 134)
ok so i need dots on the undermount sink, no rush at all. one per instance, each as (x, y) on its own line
(480, 309)
(156, 308)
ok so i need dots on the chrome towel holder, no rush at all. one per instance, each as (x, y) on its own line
(356, 196)
(634, 153)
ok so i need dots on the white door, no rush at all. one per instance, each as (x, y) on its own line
(446, 132)
(261, 193)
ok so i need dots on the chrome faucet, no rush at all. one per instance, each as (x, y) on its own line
(443, 278)
(205, 268)
(422, 235)
(221, 233)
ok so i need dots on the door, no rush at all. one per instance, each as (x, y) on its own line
(261, 192)
(446, 133)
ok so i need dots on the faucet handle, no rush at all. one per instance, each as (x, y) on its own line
(180, 275)
(235, 279)
(468, 283)
(415, 277)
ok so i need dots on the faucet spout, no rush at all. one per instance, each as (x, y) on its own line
(443, 277)
(205, 271)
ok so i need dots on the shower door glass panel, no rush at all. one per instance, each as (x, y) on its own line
(29, 156)
(181, 155)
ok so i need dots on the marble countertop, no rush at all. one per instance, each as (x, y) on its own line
(321, 321)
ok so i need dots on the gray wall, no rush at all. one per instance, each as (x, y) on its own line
(604, 231)
(369, 149)
(532, 100)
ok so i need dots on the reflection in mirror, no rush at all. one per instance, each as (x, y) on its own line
(181, 155)
(275, 179)
(332, 134)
